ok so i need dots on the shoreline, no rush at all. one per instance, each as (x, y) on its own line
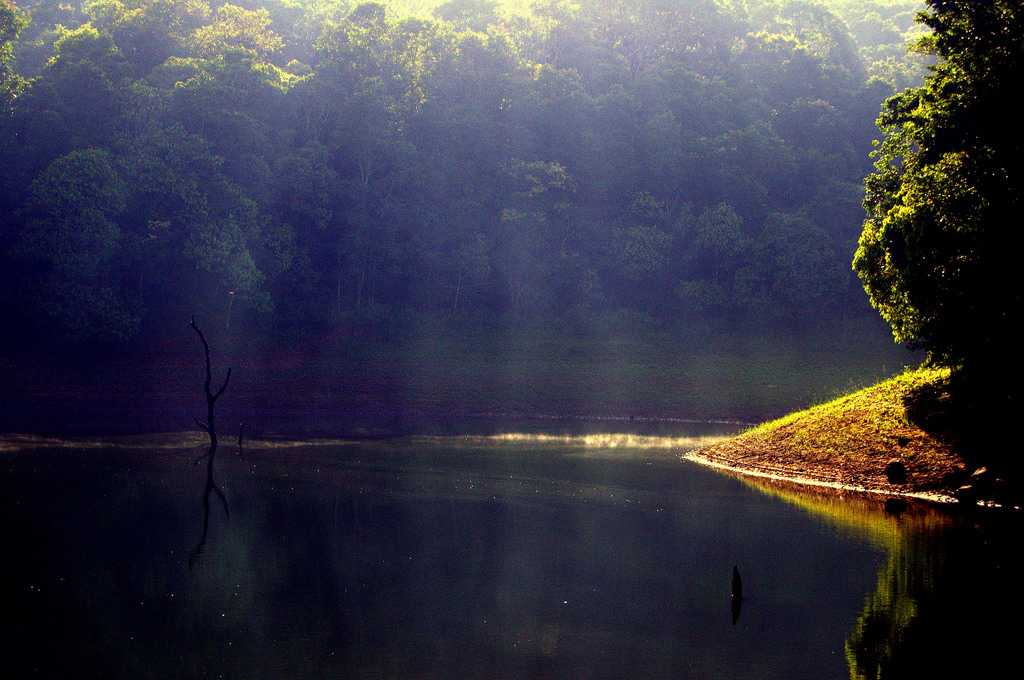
(824, 486)
(877, 441)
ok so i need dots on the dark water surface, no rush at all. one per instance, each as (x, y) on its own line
(480, 558)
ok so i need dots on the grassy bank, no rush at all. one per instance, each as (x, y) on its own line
(849, 442)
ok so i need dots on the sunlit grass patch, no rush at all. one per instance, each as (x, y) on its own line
(875, 412)
(851, 439)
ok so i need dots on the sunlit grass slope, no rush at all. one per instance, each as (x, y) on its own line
(850, 441)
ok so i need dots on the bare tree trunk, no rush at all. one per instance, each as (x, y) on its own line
(210, 426)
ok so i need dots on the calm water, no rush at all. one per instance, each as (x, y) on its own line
(480, 557)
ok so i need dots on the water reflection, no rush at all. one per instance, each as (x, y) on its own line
(211, 487)
(735, 607)
(424, 559)
(946, 603)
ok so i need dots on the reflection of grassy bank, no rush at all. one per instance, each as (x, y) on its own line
(947, 598)
(946, 606)
(891, 610)
(856, 515)
(849, 441)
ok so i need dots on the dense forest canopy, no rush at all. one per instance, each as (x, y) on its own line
(305, 164)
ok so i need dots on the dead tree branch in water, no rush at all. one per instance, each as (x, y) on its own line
(210, 427)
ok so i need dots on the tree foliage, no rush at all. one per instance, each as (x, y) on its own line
(12, 21)
(937, 254)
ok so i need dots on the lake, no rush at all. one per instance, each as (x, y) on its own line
(539, 554)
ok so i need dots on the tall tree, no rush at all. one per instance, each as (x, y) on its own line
(939, 254)
(71, 242)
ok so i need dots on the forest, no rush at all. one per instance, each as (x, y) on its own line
(298, 166)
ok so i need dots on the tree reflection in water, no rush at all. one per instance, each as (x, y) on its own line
(948, 597)
(211, 487)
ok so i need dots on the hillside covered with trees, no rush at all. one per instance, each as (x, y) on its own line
(300, 165)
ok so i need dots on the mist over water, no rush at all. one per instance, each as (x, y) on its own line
(603, 441)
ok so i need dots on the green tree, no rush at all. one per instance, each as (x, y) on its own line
(11, 23)
(473, 15)
(714, 247)
(237, 27)
(939, 252)
(148, 32)
(532, 234)
(805, 276)
(82, 89)
(72, 241)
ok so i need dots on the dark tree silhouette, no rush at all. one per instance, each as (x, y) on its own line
(210, 426)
